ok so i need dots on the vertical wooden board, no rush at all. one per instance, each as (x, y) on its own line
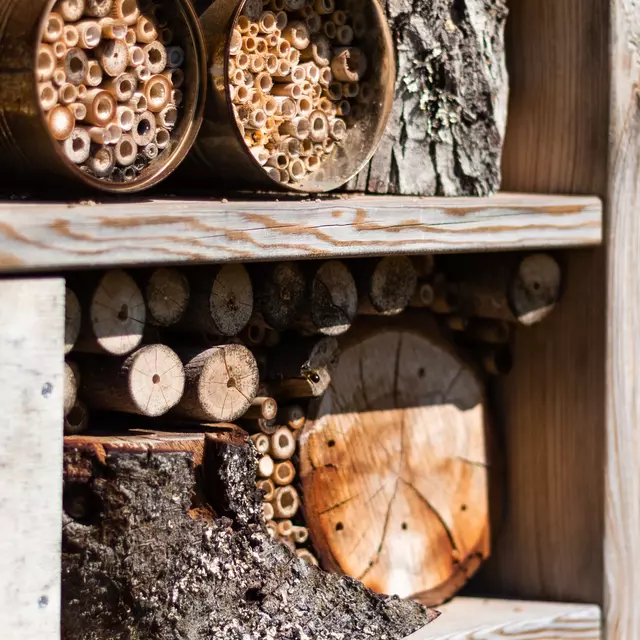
(31, 365)
(622, 492)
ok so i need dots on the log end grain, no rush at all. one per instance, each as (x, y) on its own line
(231, 299)
(281, 294)
(334, 298)
(167, 295)
(390, 284)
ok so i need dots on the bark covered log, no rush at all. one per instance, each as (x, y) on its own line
(146, 555)
(446, 128)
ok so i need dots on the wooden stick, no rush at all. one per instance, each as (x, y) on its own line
(220, 384)
(301, 368)
(385, 285)
(72, 320)
(70, 386)
(280, 290)
(148, 382)
(332, 302)
(262, 407)
(221, 301)
(283, 444)
(284, 472)
(285, 502)
(292, 416)
(77, 420)
(166, 292)
(114, 314)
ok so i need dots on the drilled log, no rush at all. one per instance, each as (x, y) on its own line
(163, 534)
(166, 292)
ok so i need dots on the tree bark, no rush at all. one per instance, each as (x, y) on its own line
(163, 538)
(446, 128)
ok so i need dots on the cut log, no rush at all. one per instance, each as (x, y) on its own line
(166, 292)
(280, 291)
(221, 301)
(176, 520)
(148, 382)
(394, 464)
(301, 367)
(523, 289)
(221, 383)
(332, 302)
(385, 285)
(70, 386)
(72, 320)
(446, 128)
(113, 313)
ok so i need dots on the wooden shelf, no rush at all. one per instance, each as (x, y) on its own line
(481, 619)
(45, 235)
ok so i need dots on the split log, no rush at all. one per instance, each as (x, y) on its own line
(301, 368)
(515, 288)
(113, 313)
(280, 290)
(72, 320)
(220, 383)
(394, 463)
(166, 292)
(70, 386)
(221, 301)
(148, 382)
(332, 301)
(215, 572)
(447, 124)
(385, 285)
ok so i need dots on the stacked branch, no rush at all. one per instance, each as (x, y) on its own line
(296, 82)
(109, 83)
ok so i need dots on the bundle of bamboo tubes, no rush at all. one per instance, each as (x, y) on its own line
(109, 82)
(296, 82)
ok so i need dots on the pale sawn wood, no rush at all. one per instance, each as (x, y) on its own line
(31, 379)
(483, 619)
(171, 231)
(394, 464)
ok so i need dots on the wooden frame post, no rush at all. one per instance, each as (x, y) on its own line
(31, 348)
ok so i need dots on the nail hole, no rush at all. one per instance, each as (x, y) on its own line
(43, 601)
(123, 314)
(331, 443)
(463, 507)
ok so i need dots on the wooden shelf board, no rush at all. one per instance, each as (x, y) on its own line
(50, 235)
(482, 619)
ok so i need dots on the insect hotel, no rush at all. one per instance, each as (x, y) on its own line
(317, 319)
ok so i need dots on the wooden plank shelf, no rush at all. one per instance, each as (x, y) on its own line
(482, 619)
(49, 235)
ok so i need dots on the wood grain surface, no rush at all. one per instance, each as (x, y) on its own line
(55, 235)
(481, 619)
(31, 380)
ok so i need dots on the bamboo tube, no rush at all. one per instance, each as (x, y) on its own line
(265, 468)
(252, 9)
(306, 148)
(46, 63)
(142, 73)
(144, 128)
(122, 87)
(297, 170)
(130, 38)
(159, 14)
(125, 150)
(53, 28)
(344, 35)
(166, 36)
(271, 528)
(77, 420)
(318, 51)
(313, 22)
(146, 31)
(114, 314)
(284, 473)
(293, 57)
(102, 162)
(89, 34)
(350, 89)
(235, 42)
(297, 34)
(149, 382)
(262, 407)
(286, 106)
(101, 107)
(423, 296)
(94, 74)
(343, 108)
(98, 8)
(220, 383)
(59, 49)
(306, 556)
(276, 5)
(116, 29)
(292, 416)
(69, 10)
(155, 57)
(312, 163)
(124, 117)
(150, 151)
(283, 445)
(136, 57)
(259, 425)
(324, 7)
(266, 485)
(329, 29)
(348, 64)
(263, 82)
(284, 528)
(75, 65)
(300, 535)
(61, 122)
(318, 126)
(78, 110)
(77, 146)
(334, 91)
(267, 22)
(267, 511)
(139, 103)
(261, 443)
(162, 138)
(297, 127)
(176, 97)
(168, 117)
(337, 129)
(285, 502)
(126, 11)
(157, 92)
(279, 160)
(256, 63)
(113, 56)
(98, 135)
(70, 387)
(359, 25)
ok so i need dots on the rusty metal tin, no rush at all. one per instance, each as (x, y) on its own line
(28, 152)
(220, 153)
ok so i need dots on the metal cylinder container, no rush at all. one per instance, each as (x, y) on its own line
(221, 155)
(29, 155)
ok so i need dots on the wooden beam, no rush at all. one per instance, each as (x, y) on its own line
(31, 379)
(55, 236)
(476, 618)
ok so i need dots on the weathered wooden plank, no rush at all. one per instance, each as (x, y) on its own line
(622, 489)
(480, 619)
(45, 236)
(31, 344)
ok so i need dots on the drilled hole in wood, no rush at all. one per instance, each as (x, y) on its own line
(339, 526)
(463, 507)
(331, 443)
(283, 441)
(155, 379)
(421, 372)
(123, 314)
(404, 526)
(231, 383)
(75, 416)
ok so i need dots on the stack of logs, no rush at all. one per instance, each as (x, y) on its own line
(227, 343)
(296, 82)
(109, 83)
